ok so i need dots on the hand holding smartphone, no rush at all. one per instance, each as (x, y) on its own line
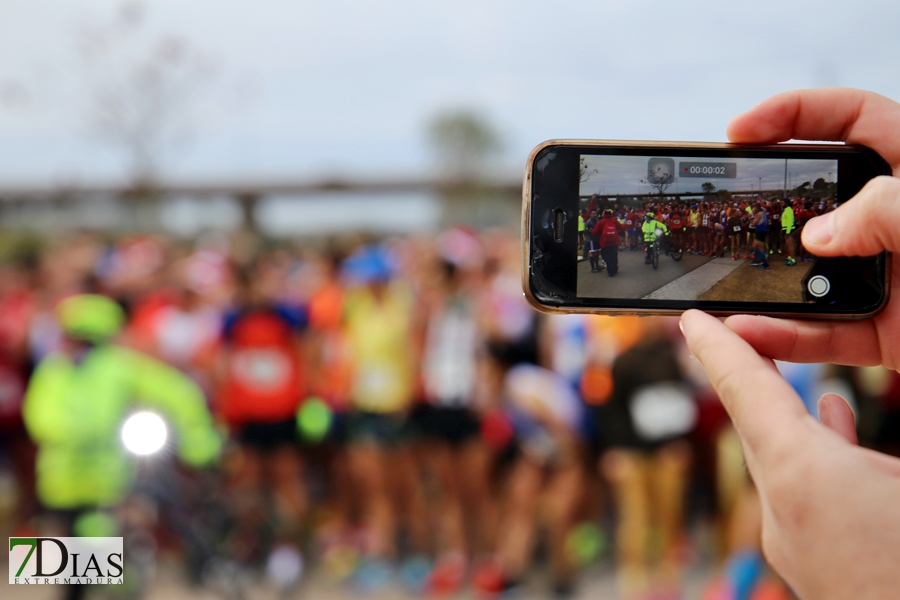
(779, 439)
(658, 228)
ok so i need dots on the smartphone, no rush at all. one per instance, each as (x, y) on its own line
(660, 227)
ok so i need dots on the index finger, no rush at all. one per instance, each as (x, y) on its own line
(833, 114)
(765, 409)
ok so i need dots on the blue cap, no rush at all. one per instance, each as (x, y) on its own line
(369, 264)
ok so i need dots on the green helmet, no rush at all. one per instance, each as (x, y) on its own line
(90, 317)
(651, 215)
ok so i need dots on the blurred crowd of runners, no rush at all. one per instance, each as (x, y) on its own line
(395, 411)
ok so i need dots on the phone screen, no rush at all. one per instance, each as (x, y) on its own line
(687, 228)
(656, 227)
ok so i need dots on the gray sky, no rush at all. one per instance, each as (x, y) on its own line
(301, 89)
(623, 174)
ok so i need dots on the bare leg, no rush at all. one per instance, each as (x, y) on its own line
(367, 466)
(626, 472)
(517, 532)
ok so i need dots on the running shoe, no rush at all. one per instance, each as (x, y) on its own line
(284, 567)
(372, 575)
(416, 574)
(448, 576)
(790, 261)
(755, 263)
(487, 579)
(763, 266)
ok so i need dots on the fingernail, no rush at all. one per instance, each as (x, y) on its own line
(822, 409)
(819, 230)
(681, 327)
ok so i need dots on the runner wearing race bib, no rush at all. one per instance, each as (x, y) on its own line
(735, 230)
(378, 313)
(776, 241)
(644, 429)
(761, 230)
(452, 421)
(677, 226)
(549, 422)
(262, 384)
(632, 221)
(693, 222)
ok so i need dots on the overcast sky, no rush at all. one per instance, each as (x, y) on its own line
(300, 89)
(623, 174)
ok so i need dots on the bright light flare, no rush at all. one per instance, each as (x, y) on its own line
(144, 433)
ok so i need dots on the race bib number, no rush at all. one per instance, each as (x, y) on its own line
(737, 228)
(261, 369)
(662, 410)
(628, 222)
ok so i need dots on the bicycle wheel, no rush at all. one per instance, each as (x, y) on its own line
(676, 252)
(654, 258)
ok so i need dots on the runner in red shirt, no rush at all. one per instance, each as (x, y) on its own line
(261, 386)
(677, 223)
(631, 228)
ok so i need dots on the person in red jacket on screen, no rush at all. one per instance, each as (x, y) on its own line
(607, 229)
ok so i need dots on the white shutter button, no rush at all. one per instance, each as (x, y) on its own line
(818, 286)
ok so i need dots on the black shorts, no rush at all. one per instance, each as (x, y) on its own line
(268, 436)
(451, 424)
(383, 429)
(702, 230)
(761, 235)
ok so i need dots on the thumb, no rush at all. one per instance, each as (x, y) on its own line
(836, 414)
(865, 225)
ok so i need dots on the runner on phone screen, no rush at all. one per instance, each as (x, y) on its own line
(760, 232)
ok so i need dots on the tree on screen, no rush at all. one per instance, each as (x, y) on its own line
(585, 171)
(660, 180)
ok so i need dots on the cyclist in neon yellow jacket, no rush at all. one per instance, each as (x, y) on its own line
(79, 397)
(791, 234)
(649, 229)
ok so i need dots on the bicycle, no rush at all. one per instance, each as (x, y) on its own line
(674, 248)
(654, 253)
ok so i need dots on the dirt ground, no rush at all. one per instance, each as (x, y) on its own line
(780, 283)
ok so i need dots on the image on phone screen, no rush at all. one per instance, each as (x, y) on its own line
(701, 229)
